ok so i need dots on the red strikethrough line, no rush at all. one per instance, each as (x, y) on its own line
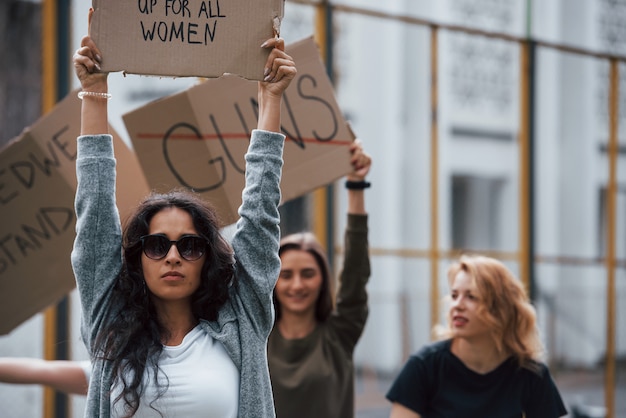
(229, 136)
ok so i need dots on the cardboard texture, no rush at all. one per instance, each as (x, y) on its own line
(37, 186)
(202, 38)
(197, 138)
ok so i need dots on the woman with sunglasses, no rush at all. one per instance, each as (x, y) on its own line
(174, 318)
(310, 349)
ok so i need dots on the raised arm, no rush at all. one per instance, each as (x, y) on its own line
(279, 71)
(361, 163)
(352, 311)
(94, 113)
(256, 240)
(61, 375)
(96, 256)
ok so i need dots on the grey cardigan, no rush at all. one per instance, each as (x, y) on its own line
(246, 319)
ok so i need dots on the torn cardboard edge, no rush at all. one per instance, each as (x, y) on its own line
(37, 189)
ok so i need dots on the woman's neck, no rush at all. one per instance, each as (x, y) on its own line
(479, 354)
(293, 327)
(178, 320)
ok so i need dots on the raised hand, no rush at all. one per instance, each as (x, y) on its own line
(360, 160)
(280, 68)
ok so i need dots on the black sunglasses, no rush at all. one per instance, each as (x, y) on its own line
(190, 247)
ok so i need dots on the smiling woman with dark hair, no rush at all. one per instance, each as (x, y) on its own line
(310, 349)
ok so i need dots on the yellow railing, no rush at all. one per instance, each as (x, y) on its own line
(524, 255)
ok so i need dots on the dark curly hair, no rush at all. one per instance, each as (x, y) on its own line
(306, 241)
(131, 341)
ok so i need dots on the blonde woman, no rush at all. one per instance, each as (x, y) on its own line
(488, 364)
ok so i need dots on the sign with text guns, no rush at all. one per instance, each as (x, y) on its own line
(37, 187)
(202, 38)
(197, 138)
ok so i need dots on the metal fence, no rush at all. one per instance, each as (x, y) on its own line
(527, 256)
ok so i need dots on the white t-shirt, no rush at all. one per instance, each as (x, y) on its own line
(202, 381)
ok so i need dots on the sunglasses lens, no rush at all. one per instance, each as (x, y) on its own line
(191, 248)
(155, 246)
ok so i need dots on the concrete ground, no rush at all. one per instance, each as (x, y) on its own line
(582, 391)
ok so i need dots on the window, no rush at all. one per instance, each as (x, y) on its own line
(476, 212)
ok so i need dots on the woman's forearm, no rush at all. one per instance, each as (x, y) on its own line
(269, 112)
(94, 112)
(356, 202)
(65, 376)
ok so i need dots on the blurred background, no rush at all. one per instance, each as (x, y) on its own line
(495, 126)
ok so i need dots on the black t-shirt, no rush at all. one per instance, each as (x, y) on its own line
(436, 384)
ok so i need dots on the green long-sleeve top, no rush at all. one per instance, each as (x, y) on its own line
(313, 377)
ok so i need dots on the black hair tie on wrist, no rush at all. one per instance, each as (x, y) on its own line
(357, 185)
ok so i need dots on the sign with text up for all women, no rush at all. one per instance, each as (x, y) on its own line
(37, 187)
(197, 139)
(182, 38)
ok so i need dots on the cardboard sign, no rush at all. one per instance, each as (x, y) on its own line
(37, 187)
(197, 138)
(202, 38)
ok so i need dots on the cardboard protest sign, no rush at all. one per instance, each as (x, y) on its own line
(197, 138)
(202, 38)
(37, 186)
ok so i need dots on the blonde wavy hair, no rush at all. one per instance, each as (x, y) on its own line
(504, 307)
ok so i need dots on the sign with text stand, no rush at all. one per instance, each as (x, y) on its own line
(37, 187)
